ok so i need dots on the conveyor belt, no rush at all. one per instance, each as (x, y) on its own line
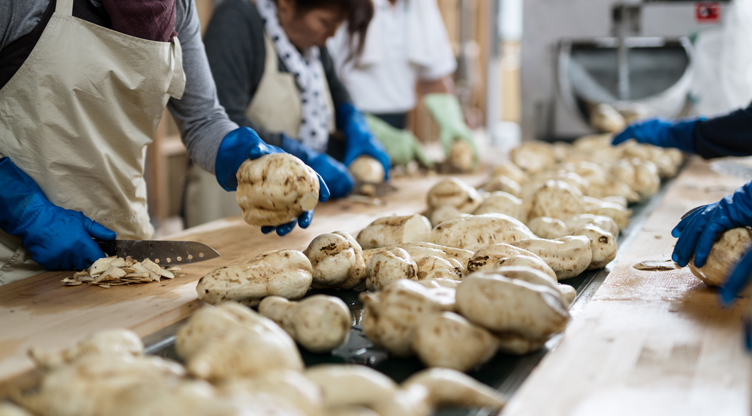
(504, 372)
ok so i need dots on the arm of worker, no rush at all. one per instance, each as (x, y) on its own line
(443, 85)
(57, 238)
(236, 52)
(446, 111)
(436, 87)
(238, 65)
(727, 135)
(213, 141)
(359, 140)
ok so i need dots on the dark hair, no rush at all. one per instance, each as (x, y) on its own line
(358, 15)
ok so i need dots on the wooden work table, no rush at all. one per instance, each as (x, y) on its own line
(40, 312)
(649, 342)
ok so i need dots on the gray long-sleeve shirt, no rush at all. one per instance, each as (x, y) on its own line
(203, 123)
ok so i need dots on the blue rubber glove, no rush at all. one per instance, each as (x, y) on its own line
(661, 132)
(242, 144)
(337, 177)
(358, 137)
(57, 238)
(697, 232)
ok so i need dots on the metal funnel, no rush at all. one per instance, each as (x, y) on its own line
(655, 75)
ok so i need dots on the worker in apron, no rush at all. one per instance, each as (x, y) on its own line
(274, 74)
(726, 135)
(407, 50)
(83, 85)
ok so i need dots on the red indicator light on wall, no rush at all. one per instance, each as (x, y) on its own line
(707, 12)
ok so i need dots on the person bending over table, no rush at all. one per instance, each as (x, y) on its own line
(83, 86)
(406, 50)
(274, 74)
(726, 135)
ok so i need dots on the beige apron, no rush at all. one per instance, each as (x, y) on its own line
(77, 117)
(276, 107)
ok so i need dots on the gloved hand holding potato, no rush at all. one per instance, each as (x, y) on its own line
(275, 190)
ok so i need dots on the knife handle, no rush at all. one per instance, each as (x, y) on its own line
(108, 247)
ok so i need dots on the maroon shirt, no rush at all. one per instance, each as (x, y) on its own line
(146, 19)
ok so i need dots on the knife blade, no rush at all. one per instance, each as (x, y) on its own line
(163, 253)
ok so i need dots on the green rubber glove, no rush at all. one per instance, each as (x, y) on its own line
(446, 111)
(401, 145)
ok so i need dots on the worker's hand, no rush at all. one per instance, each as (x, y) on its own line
(242, 144)
(358, 137)
(697, 232)
(401, 145)
(660, 132)
(57, 238)
(336, 176)
(238, 146)
(445, 110)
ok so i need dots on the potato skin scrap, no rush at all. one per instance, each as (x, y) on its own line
(276, 189)
(286, 273)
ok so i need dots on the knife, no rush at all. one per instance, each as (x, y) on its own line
(162, 252)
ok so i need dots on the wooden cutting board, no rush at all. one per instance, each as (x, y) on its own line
(649, 342)
(40, 312)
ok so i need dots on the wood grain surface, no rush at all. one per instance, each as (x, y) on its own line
(40, 312)
(649, 342)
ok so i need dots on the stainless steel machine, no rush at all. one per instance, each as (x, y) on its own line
(633, 56)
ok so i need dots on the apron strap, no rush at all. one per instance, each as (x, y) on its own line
(177, 78)
(64, 7)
